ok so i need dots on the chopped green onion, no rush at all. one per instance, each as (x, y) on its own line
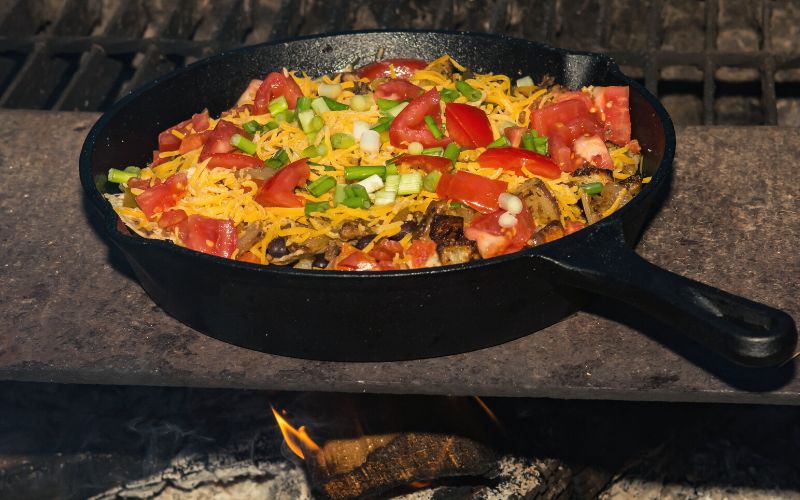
(385, 197)
(132, 170)
(415, 148)
(392, 183)
(452, 151)
(431, 181)
(251, 127)
(306, 119)
(532, 141)
(410, 183)
(119, 176)
(393, 159)
(362, 172)
(319, 105)
(303, 104)
(317, 123)
(431, 124)
(372, 183)
(437, 151)
(272, 125)
(243, 143)
(279, 159)
(448, 95)
(319, 206)
(311, 152)
(468, 91)
(356, 191)
(334, 105)
(321, 185)
(527, 141)
(525, 81)
(541, 145)
(361, 102)
(342, 141)
(456, 204)
(397, 109)
(391, 169)
(386, 104)
(592, 187)
(383, 124)
(278, 106)
(286, 116)
(356, 203)
(323, 150)
(499, 143)
(329, 90)
(339, 195)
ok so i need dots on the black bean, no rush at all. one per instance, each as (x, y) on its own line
(320, 262)
(364, 241)
(277, 247)
(399, 236)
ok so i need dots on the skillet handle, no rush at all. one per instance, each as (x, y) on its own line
(746, 332)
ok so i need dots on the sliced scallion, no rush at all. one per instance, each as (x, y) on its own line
(392, 183)
(334, 105)
(384, 197)
(410, 183)
(397, 109)
(452, 151)
(499, 143)
(431, 181)
(433, 127)
(341, 140)
(303, 104)
(592, 187)
(278, 105)
(372, 183)
(449, 95)
(272, 125)
(321, 185)
(251, 127)
(468, 91)
(243, 143)
(386, 104)
(319, 105)
(306, 117)
(311, 152)
(318, 206)
(383, 124)
(391, 169)
(339, 194)
(525, 81)
(279, 159)
(437, 151)
(361, 102)
(119, 176)
(362, 172)
(132, 170)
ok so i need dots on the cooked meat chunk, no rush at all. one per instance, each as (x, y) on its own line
(447, 229)
(540, 201)
(586, 175)
(249, 236)
(549, 232)
(424, 225)
(457, 254)
(352, 230)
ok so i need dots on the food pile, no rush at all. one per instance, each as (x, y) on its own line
(399, 164)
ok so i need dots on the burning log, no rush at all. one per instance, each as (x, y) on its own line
(372, 465)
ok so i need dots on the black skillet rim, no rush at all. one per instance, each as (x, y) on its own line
(660, 176)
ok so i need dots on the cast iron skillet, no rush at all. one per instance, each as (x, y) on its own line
(382, 316)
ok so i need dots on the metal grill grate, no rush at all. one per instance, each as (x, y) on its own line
(710, 61)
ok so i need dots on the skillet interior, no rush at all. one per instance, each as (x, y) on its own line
(226, 299)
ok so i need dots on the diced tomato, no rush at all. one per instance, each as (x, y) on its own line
(409, 126)
(475, 190)
(468, 125)
(403, 68)
(571, 113)
(171, 218)
(249, 93)
(613, 108)
(219, 139)
(276, 85)
(398, 90)
(278, 191)
(162, 196)
(576, 95)
(200, 121)
(421, 251)
(352, 259)
(593, 149)
(514, 135)
(385, 250)
(572, 226)
(167, 141)
(493, 240)
(192, 142)
(427, 163)
(234, 161)
(516, 159)
(634, 147)
(137, 183)
(211, 236)
(249, 257)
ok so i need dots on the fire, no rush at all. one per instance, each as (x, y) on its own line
(488, 411)
(296, 439)
(420, 484)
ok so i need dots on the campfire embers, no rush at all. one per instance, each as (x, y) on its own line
(458, 438)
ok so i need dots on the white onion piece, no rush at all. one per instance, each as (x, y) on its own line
(507, 220)
(370, 141)
(510, 203)
(331, 90)
(359, 127)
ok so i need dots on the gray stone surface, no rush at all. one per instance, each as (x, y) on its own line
(71, 314)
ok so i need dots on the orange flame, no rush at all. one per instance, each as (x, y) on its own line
(296, 439)
(420, 484)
